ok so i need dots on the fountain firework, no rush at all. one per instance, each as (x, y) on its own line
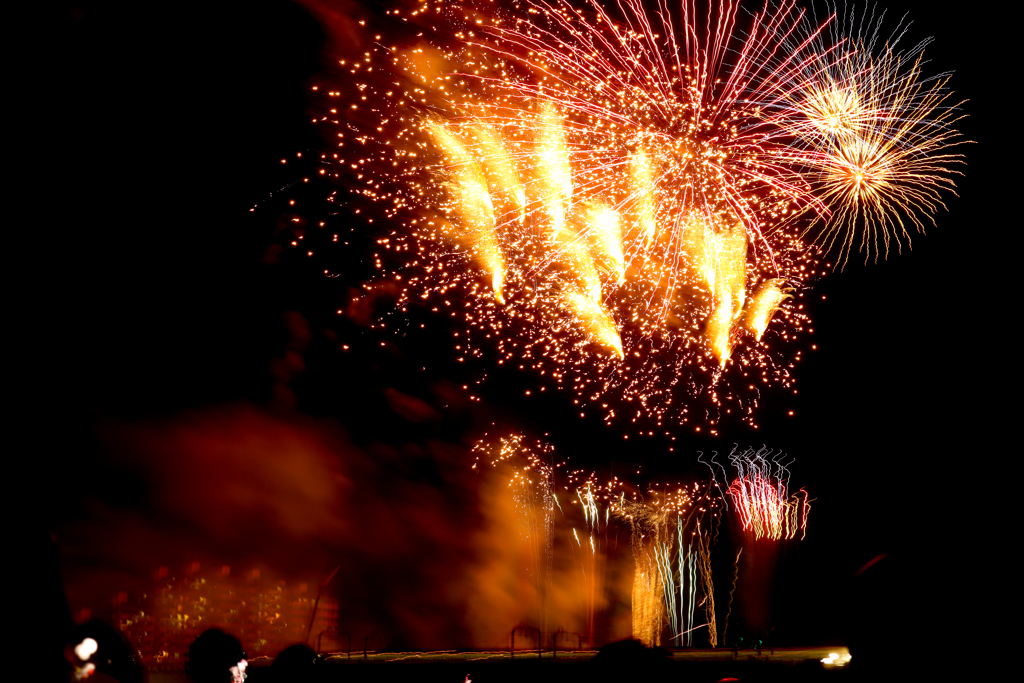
(672, 533)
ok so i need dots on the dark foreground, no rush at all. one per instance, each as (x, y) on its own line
(791, 664)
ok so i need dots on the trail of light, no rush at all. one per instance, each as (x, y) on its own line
(502, 175)
(643, 189)
(663, 558)
(879, 140)
(554, 175)
(593, 159)
(691, 630)
(764, 303)
(732, 591)
(671, 165)
(681, 568)
(474, 208)
(532, 486)
(692, 602)
(595, 321)
(657, 536)
(760, 497)
(704, 564)
(673, 529)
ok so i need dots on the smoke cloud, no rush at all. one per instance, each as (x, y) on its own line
(432, 553)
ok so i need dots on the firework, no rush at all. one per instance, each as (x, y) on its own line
(591, 557)
(880, 139)
(753, 489)
(672, 535)
(732, 592)
(601, 205)
(765, 512)
(760, 496)
(654, 592)
(704, 542)
(532, 486)
(627, 202)
(565, 517)
(673, 531)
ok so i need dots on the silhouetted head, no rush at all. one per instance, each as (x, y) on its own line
(216, 657)
(625, 658)
(295, 663)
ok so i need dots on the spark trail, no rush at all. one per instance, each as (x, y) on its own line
(760, 495)
(626, 201)
(673, 531)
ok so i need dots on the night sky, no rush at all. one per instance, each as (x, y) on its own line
(186, 397)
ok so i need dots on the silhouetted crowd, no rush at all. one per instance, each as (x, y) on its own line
(97, 653)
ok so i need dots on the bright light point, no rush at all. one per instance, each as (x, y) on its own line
(87, 648)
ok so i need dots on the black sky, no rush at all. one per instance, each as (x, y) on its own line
(147, 292)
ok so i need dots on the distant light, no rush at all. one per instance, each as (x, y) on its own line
(87, 648)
